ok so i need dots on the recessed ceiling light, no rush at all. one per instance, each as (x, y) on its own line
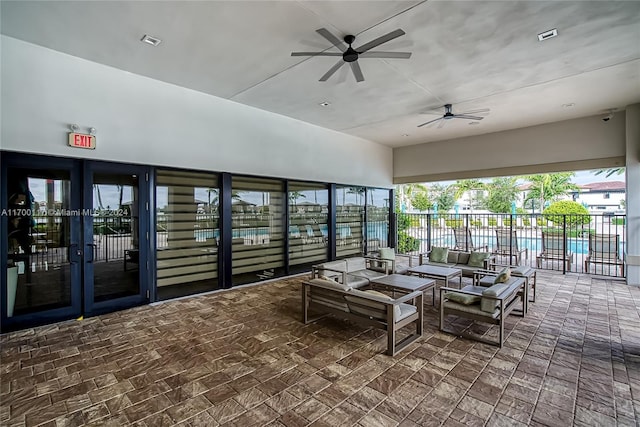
(547, 35)
(405, 134)
(569, 105)
(153, 41)
(325, 104)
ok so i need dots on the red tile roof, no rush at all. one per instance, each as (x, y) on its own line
(605, 186)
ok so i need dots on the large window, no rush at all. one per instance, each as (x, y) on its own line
(349, 221)
(377, 219)
(308, 231)
(187, 232)
(257, 215)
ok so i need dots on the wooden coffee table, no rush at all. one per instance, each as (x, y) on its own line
(400, 282)
(439, 273)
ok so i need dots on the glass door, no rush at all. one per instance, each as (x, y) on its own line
(41, 255)
(73, 238)
(116, 243)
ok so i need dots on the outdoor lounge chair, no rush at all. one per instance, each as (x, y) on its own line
(318, 235)
(554, 247)
(603, 249)
(507, 246)
(464, 240)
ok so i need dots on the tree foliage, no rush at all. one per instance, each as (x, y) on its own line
(566, 210)
(502, 193)
(421, 201)
(549, 186)
(609, 172)
(444, 195)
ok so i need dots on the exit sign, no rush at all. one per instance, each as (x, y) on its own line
(82, 140)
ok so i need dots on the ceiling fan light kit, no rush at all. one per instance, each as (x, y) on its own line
(350, 55)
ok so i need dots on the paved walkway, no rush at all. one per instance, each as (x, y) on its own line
(242, 358)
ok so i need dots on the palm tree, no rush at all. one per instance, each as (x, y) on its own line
(502, 193)
(295, 195)
(549, 186)
(609, 172)
(406, 192)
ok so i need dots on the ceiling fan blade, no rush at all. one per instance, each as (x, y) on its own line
(382, 39)
(357, 71)
(465, 116)
(394, 55)
(478, 111)
(316, 54)
(441, 124)
(332, 70)
(430, 121)
(333, 39)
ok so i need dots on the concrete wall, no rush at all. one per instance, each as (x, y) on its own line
(141, 120)
(633, 194)
(584, 143)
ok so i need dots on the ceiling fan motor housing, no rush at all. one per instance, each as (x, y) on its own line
(350, 54)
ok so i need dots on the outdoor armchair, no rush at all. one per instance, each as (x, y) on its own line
(603, 250)
(554, 248)
(507, 246)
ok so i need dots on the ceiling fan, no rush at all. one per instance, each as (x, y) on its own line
(449, 115)
(351, 55)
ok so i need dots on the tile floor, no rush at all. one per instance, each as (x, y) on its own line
(243, 358)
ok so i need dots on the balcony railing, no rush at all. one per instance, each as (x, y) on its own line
(593, 244)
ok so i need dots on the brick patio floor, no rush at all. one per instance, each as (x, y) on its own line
(242, 357)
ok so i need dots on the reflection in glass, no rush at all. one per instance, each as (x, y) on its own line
(188, 233)
(115, 236)
(257, 212)
(38, 269)
(308, 231)
(377, 219)
(349, 221)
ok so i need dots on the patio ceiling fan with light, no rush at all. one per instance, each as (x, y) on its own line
(448, 114)
(351, 55)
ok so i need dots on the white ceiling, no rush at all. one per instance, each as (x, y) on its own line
(479, 54)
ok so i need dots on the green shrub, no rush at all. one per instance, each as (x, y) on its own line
(407, 243)
(506, 222)
(618, 221)
(574, 212)
(475, 223)
(492, 222)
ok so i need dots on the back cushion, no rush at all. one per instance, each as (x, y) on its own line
(452, 257)
(387, 253)
(330, 284)
(361, 304)
(489, 305)
(333, 265)
(356, 263)
(438, 254)
(463, 257)
(477, 259)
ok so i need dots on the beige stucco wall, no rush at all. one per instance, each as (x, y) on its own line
(583, 143)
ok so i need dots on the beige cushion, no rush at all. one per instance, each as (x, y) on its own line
(503, 276)
(356, 263)
(452, 257)
(328, 283)
(438, 254)
(387, 253)
(377, 310)
(487, 304)
(464, 299)
(463, 257)
(477, 259)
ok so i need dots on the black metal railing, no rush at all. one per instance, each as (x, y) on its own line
(569, 243)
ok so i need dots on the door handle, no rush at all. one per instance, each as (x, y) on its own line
(92, 247)
(73, 253)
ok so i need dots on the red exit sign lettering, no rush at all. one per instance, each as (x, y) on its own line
(81, 140)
